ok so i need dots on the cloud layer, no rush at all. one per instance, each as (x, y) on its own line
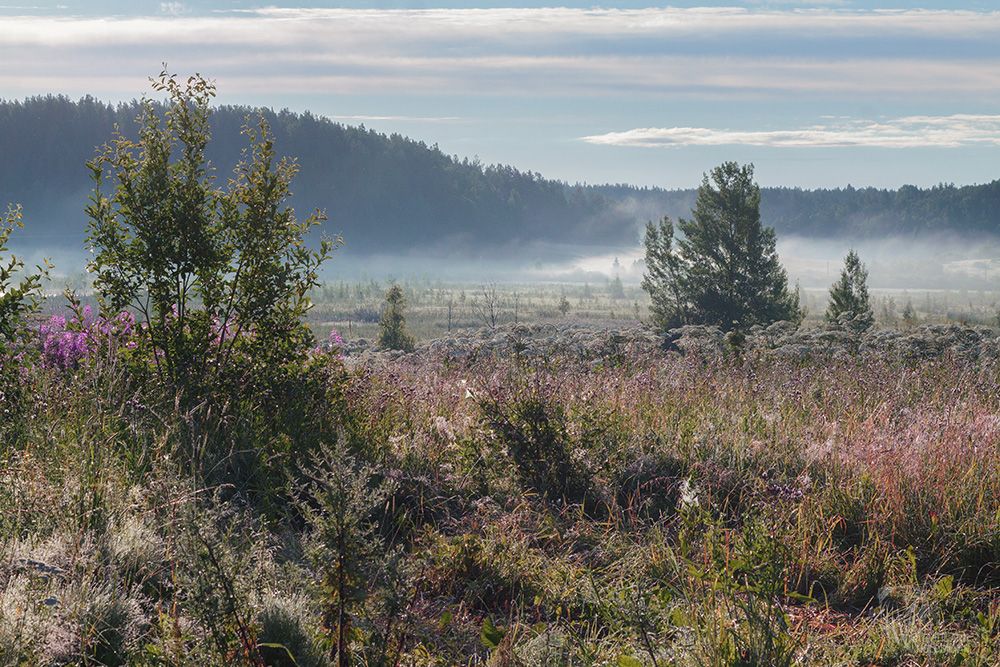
(522, 86)
(910, 132)
(539, 51)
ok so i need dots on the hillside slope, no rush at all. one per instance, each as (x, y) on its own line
(390, 194)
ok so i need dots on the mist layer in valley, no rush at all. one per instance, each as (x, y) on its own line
(894, 263)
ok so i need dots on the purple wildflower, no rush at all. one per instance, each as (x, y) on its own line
(65, 344)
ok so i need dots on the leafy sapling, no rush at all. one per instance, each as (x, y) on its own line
(219, 275)
(20, 292)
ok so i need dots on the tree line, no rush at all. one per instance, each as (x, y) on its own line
(387, 193)
(384, 192)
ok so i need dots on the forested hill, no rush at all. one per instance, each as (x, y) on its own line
(389, 194)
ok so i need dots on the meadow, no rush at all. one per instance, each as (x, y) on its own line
(700, 506)
(438, 308)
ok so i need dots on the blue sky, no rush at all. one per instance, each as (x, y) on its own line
(814, 93)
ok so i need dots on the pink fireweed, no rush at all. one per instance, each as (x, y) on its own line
(66, 343)
(333, 346)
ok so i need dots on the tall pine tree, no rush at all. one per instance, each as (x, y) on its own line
(724, 270)
(849, 302)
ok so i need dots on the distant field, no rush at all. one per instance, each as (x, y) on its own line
(435, 308)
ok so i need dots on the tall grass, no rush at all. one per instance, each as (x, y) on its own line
(658, 510)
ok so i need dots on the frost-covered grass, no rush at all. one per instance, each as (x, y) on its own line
(654, 509)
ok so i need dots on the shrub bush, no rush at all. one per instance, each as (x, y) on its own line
(533, 428)
(219, 276)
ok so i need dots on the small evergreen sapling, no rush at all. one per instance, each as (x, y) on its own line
(563, 306)
(849, 300)
(341, 500)
(616, 289)
(909, 314)
(393, 334)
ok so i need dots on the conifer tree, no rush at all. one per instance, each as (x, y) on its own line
(849, 301)
(724, 270)
(393, 335)
(563, 306)
(909, 314)
(616, 290)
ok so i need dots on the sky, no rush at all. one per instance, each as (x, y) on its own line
(814, 93)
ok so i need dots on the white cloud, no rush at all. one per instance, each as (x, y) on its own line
(497, 26)
(664, 21)
(554, 51)
(812, 3)
(909, 132)
(408, 119)
(172, 8)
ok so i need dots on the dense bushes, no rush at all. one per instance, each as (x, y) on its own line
(533, 429)
(220, 278)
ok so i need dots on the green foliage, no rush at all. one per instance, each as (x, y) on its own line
(616, 290)
(220, 275)
(19, 291)
(909, 314)
(341, 501)
(563, 306)
(534, 430)
(20, 294)
(222, 559)
(743, 485)
(849, 301)
(490, 635)
(392, 325)
(736, 585)
(663, 278)
(724, 270)
(287, 636)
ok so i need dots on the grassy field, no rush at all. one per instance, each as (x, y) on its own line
(437, 309)
(656, 509)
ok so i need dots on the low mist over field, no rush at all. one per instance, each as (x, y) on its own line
(927, 262)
